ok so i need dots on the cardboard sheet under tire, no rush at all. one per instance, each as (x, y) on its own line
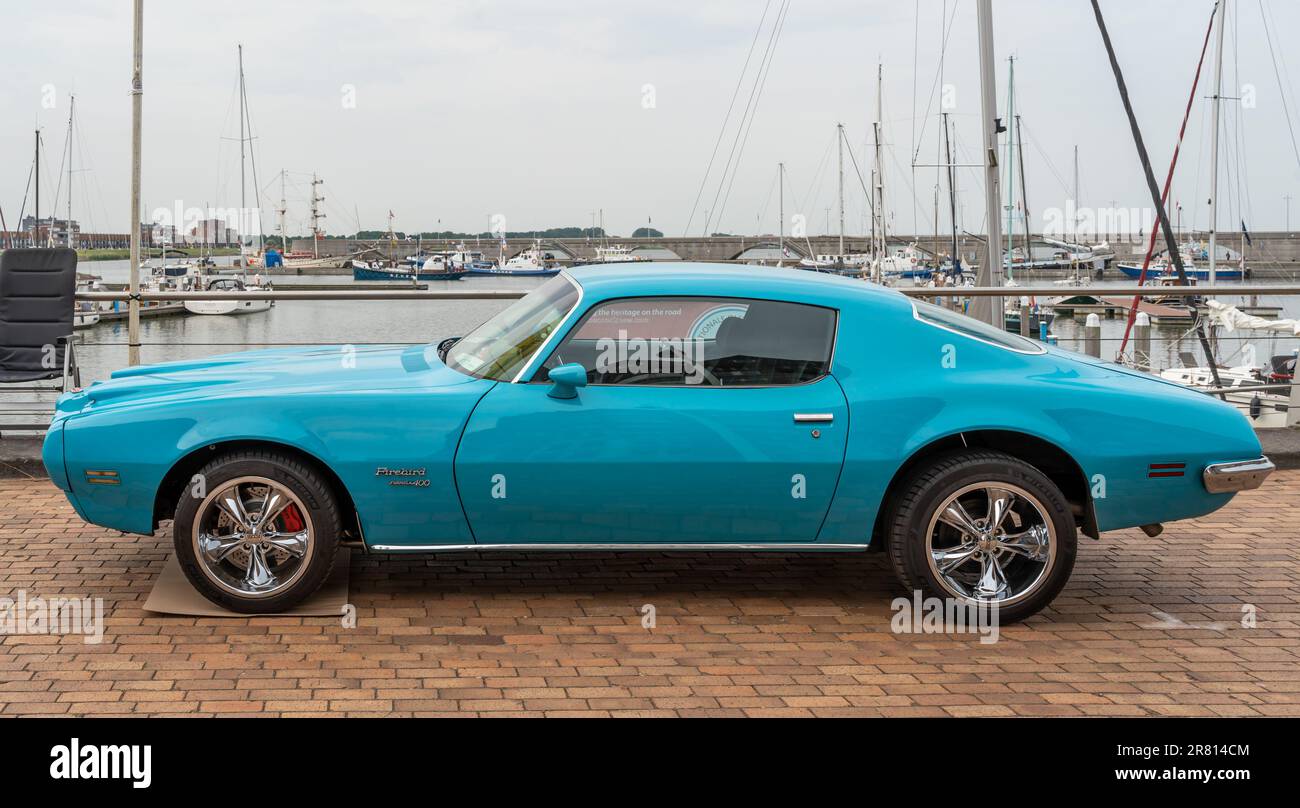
(173, 594)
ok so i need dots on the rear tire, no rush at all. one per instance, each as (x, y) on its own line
(257, 531)
(943, 540)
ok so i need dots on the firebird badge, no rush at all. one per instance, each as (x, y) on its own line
(405, 477)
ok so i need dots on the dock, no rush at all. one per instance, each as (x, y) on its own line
(1079, 306)
(155, 310)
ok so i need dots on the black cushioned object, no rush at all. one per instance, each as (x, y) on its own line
(37, 291)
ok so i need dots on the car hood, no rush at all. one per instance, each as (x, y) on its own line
(279, 371)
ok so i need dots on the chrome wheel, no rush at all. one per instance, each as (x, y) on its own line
(253, 537)
(992, 543)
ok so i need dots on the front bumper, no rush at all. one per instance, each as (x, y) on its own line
(1229, 478)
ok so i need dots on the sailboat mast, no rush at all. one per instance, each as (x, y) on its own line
(879, 212)
(1011, 165)
(1074, 220)
(839, 130)
(284, 209)
(137, 104)
(72, 105)
(952, 192)
(316, 216)
(1214, 150)
(1024, 189)
(989, 309)
(242, 214)
(36, 171)
(780, 181)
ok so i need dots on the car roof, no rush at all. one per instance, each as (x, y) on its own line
(642, 278)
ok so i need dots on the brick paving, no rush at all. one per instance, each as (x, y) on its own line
(1146, 627)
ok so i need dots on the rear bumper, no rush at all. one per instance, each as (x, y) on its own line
(1228, 478)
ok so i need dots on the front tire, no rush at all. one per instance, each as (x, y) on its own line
(257, 531)
(986, 529)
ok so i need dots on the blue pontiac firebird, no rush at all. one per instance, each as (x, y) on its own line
(656, 407)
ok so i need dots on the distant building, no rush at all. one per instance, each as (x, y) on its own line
(50, 229)
(163, 233)
(212, 231)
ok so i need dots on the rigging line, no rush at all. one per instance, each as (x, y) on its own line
(927, 217)
(1268, 36)
(252, 158)
(58, 187)
(814, 192)
(765, 69)
(767, 201)
(1203, 127)
(89, 170)
(1050, 165)
(792, 196)
(871, 205)
(741, 129)
(27, 189)
(938, 76)
(1239, 141)
(1159, 200)
(727, 118)
(49, 234)
(916, 69)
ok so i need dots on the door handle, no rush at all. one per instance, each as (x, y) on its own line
(813, 417)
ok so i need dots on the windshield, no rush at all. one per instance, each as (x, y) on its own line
(499, 348)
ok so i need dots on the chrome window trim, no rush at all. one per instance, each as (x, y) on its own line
(830, 362)
(1037, 351)
(577, 305)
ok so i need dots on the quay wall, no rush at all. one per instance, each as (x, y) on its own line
(1266, 249)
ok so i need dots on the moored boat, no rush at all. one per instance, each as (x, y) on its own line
(228, 306)
(379, 271)
(1165, 270)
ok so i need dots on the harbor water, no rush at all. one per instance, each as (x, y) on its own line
(102, 348)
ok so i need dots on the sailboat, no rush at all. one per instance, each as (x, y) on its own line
(1212, 272)
(841, 262)
(200, 281)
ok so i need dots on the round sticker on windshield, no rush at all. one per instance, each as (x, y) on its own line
(706, 326)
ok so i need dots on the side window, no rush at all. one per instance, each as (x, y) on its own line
(695, 341)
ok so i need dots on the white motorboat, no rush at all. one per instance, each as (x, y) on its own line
(228, 306)
(84, 316)
(1263, 395)
(618, 254)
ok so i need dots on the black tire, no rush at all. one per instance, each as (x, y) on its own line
(928, 488)
(323, 523)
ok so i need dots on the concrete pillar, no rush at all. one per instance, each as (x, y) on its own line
(1092, 336)
(1024, 319)
(1142, 341)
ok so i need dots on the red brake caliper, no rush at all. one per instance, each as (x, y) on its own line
(292, 519)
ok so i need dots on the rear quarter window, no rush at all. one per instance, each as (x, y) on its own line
(948, 320)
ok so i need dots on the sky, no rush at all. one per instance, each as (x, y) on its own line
(459, 115)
